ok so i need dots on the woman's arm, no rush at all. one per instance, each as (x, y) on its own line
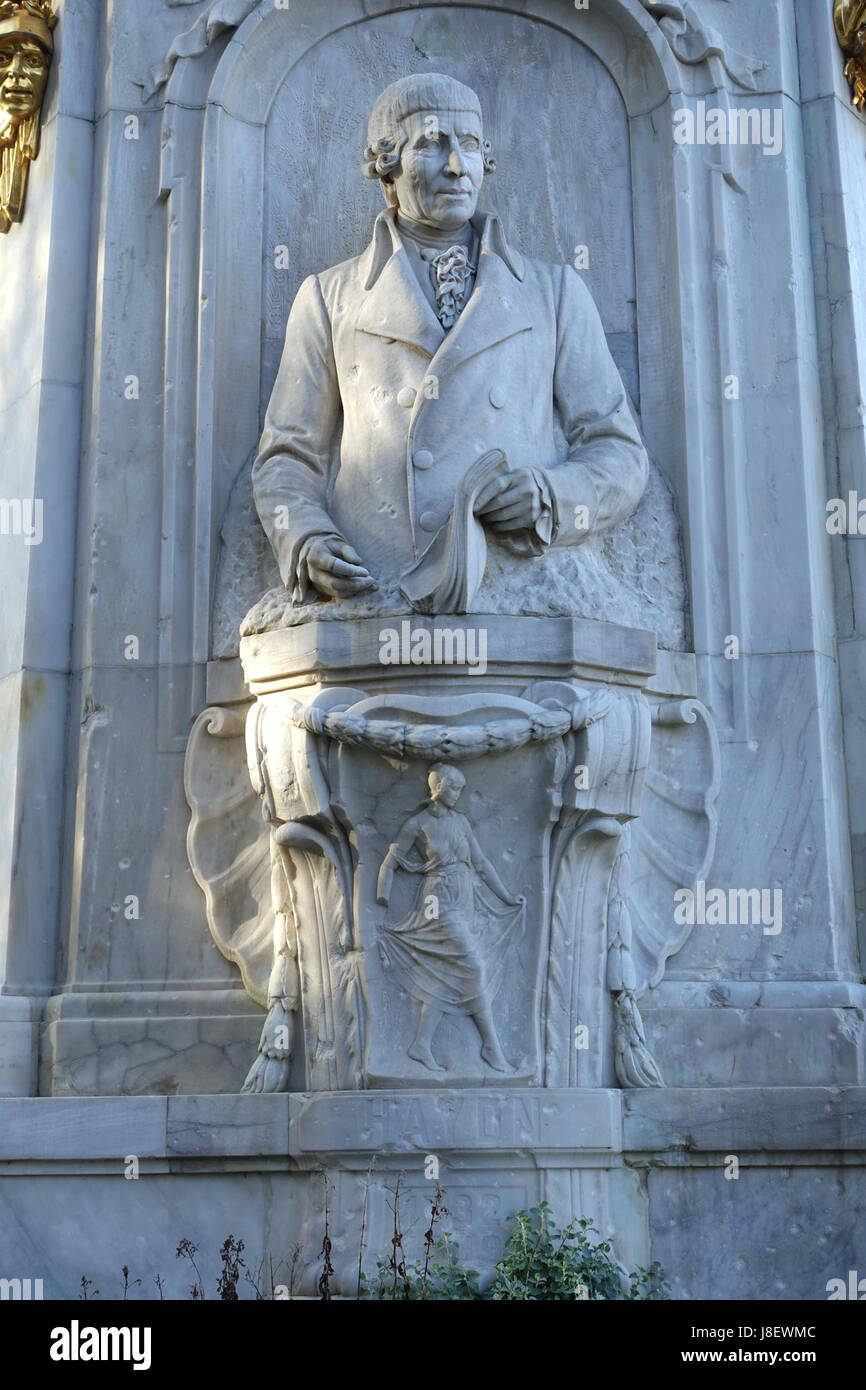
(487, 873)
(396, 852)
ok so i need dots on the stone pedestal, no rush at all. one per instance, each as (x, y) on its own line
(553, 772)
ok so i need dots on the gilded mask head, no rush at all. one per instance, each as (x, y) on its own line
(23, 75)
(849, 17)
(26, 47)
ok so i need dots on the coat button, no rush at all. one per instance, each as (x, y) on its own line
(406, 397)
(497, 397)
(429, 520)
(423, 459)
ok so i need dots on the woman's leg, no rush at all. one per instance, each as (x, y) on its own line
(421, 1050)
(490, 1048)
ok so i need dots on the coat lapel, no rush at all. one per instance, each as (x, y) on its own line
(394, 305)
(496, 310)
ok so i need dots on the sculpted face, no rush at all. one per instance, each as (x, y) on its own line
(447, 785)
(23, 75)
(442, 168)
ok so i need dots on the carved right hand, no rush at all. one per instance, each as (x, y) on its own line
(336, 569)
(510, 503)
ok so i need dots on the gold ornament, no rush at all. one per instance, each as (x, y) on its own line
(849, 17)
(26, 48)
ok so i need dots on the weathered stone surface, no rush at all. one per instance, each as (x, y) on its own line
(655, 1179)
(779, 1233)
(776, 1119)
(430, 1122)
(170, 224)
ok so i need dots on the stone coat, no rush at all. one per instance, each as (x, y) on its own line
(377, 412)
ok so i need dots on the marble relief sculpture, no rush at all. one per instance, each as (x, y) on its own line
(439, 297)
(26, 47)
(453, 945)
(447, 428)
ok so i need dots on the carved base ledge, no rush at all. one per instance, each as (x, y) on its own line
(518, 649)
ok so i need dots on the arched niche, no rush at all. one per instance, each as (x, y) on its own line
(257, 116)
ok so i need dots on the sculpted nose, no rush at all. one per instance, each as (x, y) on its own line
(456, 164)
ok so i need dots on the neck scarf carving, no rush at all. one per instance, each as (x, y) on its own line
(451, 272)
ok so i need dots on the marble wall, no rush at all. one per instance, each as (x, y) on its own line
(181, 346)
(176, 379)
(114, 1182)
(181, 195)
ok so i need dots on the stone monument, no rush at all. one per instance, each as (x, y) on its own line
(432, 667)
(439, 394)
(447, 429)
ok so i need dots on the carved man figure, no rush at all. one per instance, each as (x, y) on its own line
(435, 393)
(440, 343)
(26, 46)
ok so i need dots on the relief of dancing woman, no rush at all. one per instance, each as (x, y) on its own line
(449, 952)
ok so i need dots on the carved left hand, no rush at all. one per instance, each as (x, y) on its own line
(512, 503)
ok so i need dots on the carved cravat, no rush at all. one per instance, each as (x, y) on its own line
(452, 273)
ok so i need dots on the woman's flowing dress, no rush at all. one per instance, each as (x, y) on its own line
(449, 951)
